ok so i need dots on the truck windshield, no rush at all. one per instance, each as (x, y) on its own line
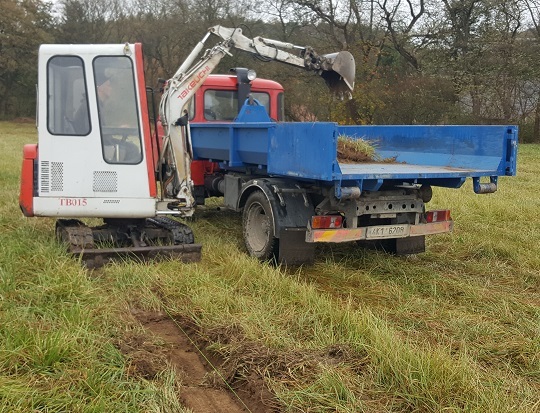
(117, 107)
(223, 104)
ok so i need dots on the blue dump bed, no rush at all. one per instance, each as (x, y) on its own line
(435, 155)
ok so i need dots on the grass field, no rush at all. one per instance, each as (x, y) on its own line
(455, 329)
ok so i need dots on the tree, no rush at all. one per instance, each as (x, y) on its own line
(24, 25)
(533, 9)
(400, 29)
(91, 21)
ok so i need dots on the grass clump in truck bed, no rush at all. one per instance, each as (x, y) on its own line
(351, 150)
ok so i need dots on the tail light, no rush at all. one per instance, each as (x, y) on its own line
(326, 221)
(438, 216)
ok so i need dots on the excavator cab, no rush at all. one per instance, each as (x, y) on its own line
(93, 137)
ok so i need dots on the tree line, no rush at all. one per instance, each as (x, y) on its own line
(418, 61)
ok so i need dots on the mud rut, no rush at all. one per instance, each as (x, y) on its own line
(202, 388)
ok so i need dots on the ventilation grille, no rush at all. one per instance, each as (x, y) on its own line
(45, 176)
(57, 176)
(52, 176)
(111, 201)
(105, 181)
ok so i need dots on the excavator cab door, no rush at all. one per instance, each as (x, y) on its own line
(93, 143)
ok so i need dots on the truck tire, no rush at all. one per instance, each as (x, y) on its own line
(258, 227)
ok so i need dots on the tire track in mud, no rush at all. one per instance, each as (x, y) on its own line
(202, 389)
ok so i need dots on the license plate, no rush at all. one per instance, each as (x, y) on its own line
(388, 231)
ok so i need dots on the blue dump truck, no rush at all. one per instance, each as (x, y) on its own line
(294, 191)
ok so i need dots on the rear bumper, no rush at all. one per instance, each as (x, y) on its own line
(377, 232)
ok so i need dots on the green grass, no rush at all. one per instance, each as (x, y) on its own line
(454, 329)
(361, 149)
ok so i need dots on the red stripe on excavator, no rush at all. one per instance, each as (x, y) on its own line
(143, 104)
(26, 194)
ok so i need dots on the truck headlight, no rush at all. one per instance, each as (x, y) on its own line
(251, 75)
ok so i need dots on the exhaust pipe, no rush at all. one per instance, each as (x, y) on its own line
(338, 71)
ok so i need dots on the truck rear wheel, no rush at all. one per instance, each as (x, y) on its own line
(258, 227)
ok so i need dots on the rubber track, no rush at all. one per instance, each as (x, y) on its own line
(182, 234)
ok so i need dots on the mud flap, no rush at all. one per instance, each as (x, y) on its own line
(397, 246)
(293, 248)
(410, 245)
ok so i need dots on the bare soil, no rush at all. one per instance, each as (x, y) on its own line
(230, 375)
(203, 388)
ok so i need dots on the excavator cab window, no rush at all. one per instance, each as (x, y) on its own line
(222, 105)
(67, 104)
(117, 108)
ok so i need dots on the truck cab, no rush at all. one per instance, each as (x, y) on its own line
(218, 99)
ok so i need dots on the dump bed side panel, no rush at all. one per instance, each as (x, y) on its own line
(304, 150)
(481, 150)
(300, 150)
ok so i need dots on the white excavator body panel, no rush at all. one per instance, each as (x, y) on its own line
(91, 136)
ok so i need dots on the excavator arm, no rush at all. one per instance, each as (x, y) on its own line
(337, 69)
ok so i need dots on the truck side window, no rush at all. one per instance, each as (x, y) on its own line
(281, 107)
(191, 108)
(117, 109)
(220, 105)
(67, 103)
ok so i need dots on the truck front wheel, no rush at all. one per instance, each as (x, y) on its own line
(258, 227)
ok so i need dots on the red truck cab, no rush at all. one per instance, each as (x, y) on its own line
(217, 99)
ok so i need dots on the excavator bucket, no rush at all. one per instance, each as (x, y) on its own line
(338, 71)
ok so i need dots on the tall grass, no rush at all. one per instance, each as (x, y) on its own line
(58, 324)
(454, 329)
